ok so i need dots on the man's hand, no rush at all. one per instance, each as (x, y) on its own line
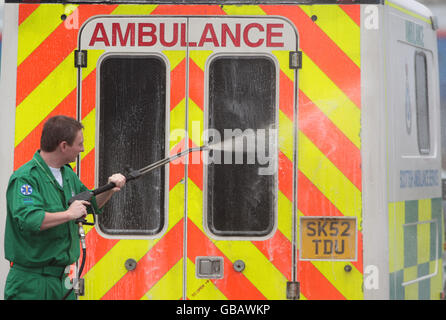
(78, 209)
(119, 180)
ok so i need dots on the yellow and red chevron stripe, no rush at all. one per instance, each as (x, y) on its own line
(329, 173)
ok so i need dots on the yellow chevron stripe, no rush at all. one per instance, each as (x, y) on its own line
(169, 287)
(349, 284)
(339, 27)
(47, 17)
(176, 205)
(396, 236)
(330, 100)
(134, 9)
(199, 289)
(259, 270)
(243, 10)
(329, 179)
(110, 268)
(283, 57)
(177, 124)
(195, 204)
(195, 123)
(200, 57)
(48, 94)
(175, 57)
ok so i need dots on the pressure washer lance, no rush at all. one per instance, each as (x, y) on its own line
(132, 175)
(226, 145)
(135, 174)
(88, 195)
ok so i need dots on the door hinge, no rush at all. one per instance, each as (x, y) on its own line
(295, 59)
(79, 286)
(80, 58)
(293, 290)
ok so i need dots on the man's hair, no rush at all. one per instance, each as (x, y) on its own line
(58, 129)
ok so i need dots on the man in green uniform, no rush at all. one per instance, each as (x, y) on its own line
(41, 238)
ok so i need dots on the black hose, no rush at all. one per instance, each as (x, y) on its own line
(84, 253)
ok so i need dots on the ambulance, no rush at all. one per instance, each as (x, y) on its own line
(347, 204)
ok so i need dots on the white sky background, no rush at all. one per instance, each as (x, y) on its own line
(1, 14)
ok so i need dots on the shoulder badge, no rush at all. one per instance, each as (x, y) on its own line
(26, 190)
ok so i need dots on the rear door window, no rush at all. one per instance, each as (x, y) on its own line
(241, 201)
(132, 130)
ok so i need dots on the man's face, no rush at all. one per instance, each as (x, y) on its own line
(71, 152)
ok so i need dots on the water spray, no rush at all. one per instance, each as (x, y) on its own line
(226, 145)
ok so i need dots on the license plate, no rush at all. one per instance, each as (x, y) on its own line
(328, 238)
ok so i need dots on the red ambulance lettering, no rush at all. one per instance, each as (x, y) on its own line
(146, 30)
(129, 33)
(174, 33)
(246, 35)
(102, 38)
(226, 32)
(146, 34)
(208, 29)
(270, 34)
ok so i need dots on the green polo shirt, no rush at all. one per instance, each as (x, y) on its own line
(32, 191)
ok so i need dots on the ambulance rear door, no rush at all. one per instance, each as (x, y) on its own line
(138, 90)
(240, 218)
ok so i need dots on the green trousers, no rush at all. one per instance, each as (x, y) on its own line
(25, 285)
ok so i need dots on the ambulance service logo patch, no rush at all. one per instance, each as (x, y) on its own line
(26, 190)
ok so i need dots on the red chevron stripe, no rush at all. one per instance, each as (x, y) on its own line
(354, 12)
(278, 250)
(323, 51)
(51, 52)
(88, 94)
(311, 202)
(178, 84)
(286, 176)
(334, 145)
(195, 170)
(314, 285)
(25, 10)
(101, 247)
(235, 286)
(176, 173)
(196, 87)
(150, 268)
(87, 169)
